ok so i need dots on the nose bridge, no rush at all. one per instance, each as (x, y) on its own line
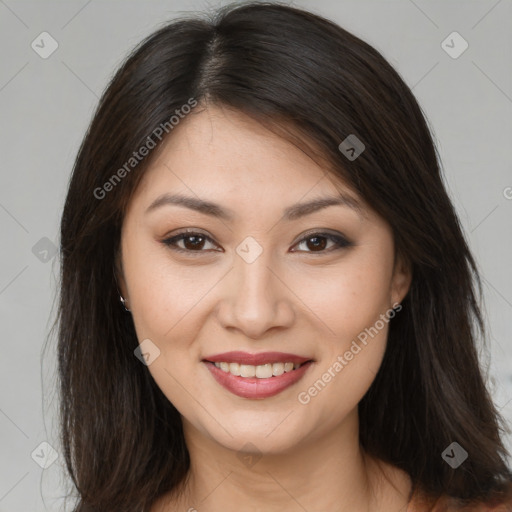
(254, 281)
(257, 300)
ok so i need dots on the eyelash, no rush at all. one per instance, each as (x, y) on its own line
(340, 241)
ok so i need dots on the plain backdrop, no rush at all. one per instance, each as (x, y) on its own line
(47, 103)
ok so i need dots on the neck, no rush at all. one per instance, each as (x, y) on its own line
(330, 472)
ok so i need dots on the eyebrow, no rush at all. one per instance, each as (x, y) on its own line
(293, 212)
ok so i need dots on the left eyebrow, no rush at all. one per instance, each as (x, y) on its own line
(301, 209)
(293, 212)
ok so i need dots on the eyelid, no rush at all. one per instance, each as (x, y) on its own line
(320, 232)
(188, 231)
(339, 239)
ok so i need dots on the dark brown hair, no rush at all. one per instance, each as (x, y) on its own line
(315, 83)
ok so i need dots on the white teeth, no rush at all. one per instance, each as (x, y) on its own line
(262, 371)
(247, 370)
(277, 369)
(234, 368)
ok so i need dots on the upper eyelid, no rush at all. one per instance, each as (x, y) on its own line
(316, 231)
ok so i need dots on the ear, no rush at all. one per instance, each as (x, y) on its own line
(401, 281)
(119, 274)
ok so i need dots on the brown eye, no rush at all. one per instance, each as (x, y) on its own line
(193, 242)
(190, 242)
(317, 242)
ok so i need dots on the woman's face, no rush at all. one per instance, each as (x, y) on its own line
(259, 275)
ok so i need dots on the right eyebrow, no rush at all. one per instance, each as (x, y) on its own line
(193, 203)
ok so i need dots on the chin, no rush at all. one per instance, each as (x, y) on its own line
(257, 437)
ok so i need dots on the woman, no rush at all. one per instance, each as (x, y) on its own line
(267, 300)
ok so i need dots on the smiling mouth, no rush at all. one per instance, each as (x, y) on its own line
(262, 371)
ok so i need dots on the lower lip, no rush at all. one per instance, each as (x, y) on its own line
(252, 387)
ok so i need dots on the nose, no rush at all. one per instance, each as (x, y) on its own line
(255, 298)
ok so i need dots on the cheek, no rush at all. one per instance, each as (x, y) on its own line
(170, 306)
(348, 297)
(348, 302)
(164, 292)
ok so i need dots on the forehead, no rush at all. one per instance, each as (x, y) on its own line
(227, 140)
(224, 155)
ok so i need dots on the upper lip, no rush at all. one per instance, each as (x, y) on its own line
(256, 359)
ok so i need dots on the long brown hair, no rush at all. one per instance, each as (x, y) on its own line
(315, 83)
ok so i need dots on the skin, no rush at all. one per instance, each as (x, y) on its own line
(295, 297)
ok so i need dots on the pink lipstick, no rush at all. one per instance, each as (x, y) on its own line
(257, 376)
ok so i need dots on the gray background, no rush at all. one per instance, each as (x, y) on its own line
(46, 105)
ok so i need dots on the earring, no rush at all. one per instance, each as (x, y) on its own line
(123, 301)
